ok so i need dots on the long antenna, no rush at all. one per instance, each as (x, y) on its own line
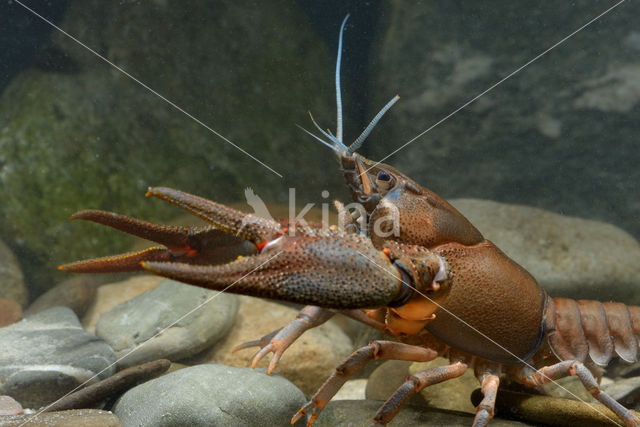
(338, 94)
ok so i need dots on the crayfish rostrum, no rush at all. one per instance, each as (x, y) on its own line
(435, 285)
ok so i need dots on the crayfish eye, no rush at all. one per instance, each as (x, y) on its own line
(384, 181)
(383, 176)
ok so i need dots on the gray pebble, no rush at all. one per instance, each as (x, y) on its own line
(211, 395)
(76, 293)
(47, 355)
(139, 319)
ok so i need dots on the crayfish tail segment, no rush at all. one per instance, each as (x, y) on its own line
(169, 235)
(124, 263)
(339, 278)
(255, 229)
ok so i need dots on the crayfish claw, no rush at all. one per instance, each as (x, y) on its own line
(301, 413)
(249, 227)
(167, 235)
(191, 245)
(128, 262)
(343, 276)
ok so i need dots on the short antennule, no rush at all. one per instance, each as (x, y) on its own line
(365, 133)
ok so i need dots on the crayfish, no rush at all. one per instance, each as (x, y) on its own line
(434, 284)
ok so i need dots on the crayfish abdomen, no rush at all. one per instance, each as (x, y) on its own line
(586, 329)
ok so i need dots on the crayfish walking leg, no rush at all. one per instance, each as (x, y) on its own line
(577, 368)
(375, 350)
(489, 376)
(279, 340)
(413, 385)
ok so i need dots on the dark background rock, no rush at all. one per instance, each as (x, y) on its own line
(12, 284)
(562, 134)
(10, 312)
(22, 35)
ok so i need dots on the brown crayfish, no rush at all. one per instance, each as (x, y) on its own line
(435, 284)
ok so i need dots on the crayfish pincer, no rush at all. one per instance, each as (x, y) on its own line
(434, 284)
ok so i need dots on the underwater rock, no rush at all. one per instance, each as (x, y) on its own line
(556, 411)
(307, 363)
(211, 394)
(47, 355)
(112, 294)
(572, 388)
(202, 318)
(73, 418)
(94, 138)
(625, 391)
(386, 379)
(12, 285)
(453, 395)
(52, 59)
(359, 413)
(10, 312)
(352, 390)
(76, 293)
(568, 256)
(561, 134)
